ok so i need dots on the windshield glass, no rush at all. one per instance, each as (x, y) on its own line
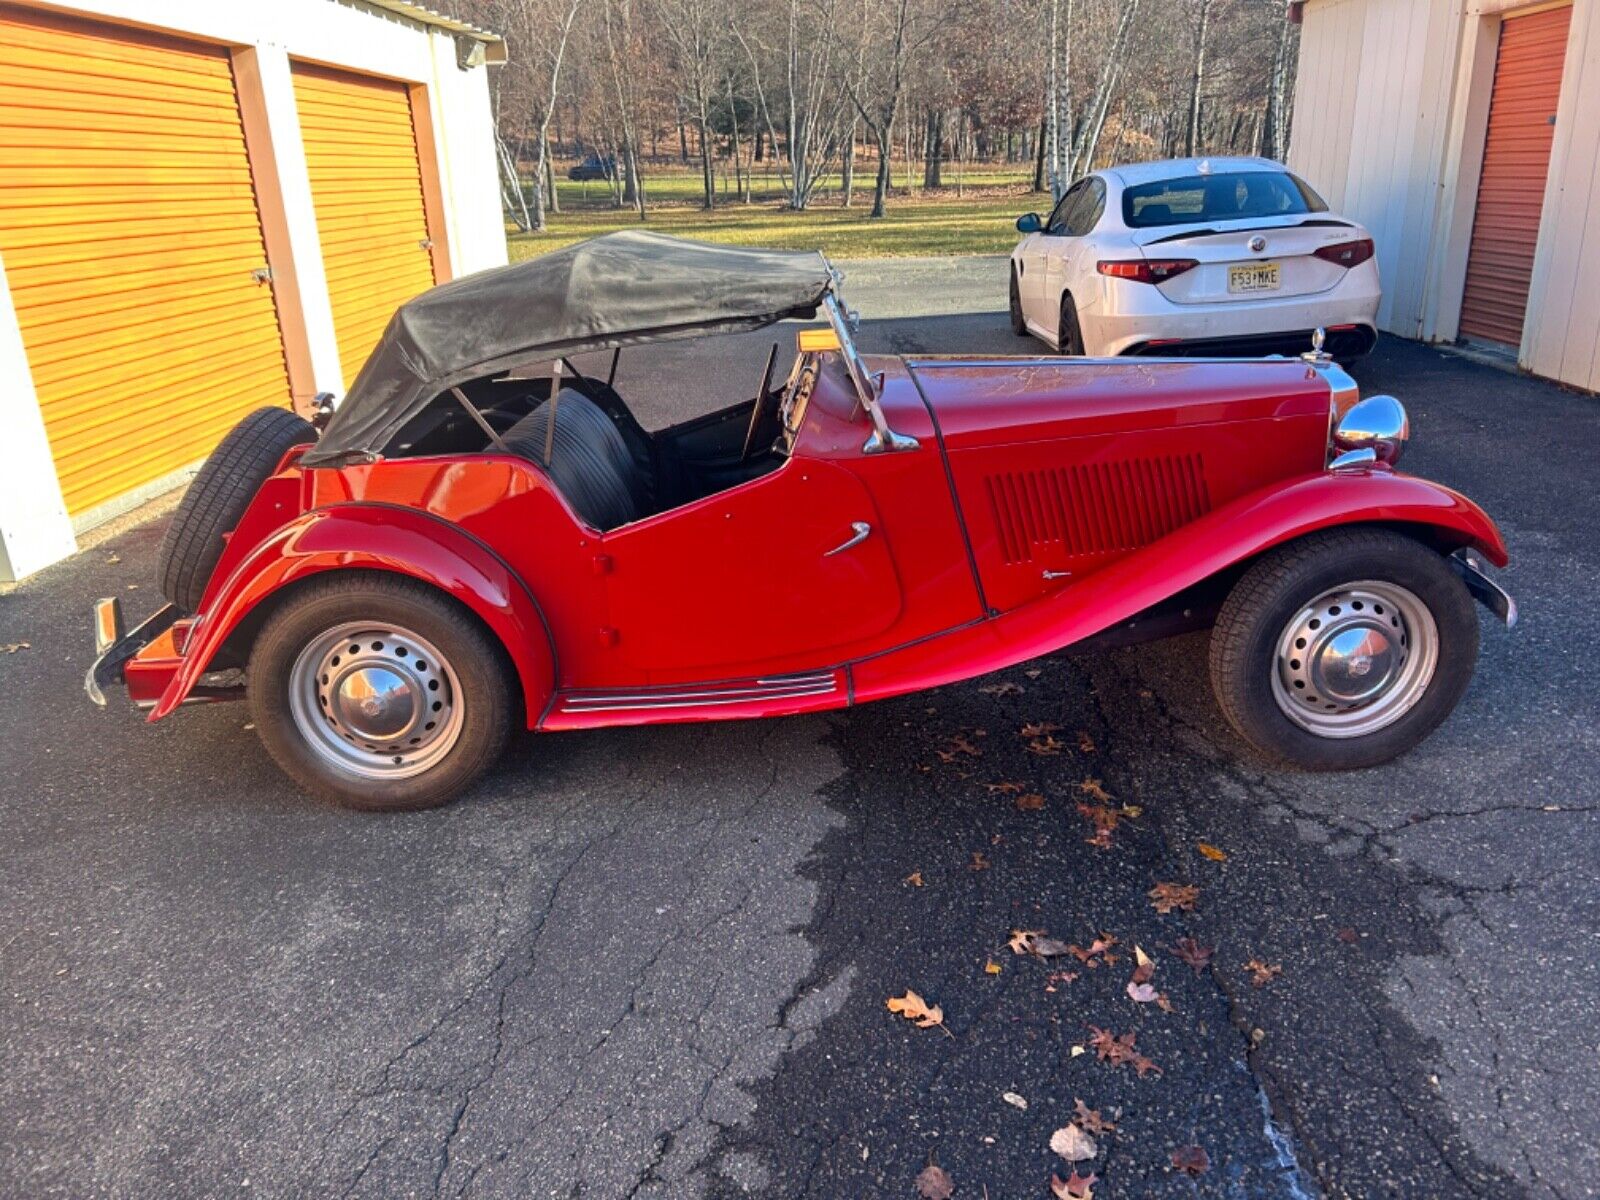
(1230, 197)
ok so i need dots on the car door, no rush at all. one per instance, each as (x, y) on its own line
(1032, 262)
(1082, 207)
(784, 573)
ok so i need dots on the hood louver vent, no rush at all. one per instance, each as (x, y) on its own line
(1096, 508)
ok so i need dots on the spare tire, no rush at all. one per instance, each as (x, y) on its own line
(218, 497)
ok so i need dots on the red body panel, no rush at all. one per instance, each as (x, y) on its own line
(1127, 482)
(1227, 535)
(363, 537)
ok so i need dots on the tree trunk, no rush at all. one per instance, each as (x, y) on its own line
(683, 141)
(880, 193)
(848, 184)
(932, 174)
(1273, 123)
(1038, 158)
(1192, 138)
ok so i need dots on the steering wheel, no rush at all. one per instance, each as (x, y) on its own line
(760, 406)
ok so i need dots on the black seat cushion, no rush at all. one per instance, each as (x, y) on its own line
(589, 461)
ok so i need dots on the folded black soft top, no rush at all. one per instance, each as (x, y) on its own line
(618, 290)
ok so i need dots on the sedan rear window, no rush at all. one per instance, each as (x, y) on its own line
(1228, 197)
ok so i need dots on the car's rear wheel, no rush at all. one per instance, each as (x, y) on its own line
(1070, 338)
(1018, 325)
(379, 693)
(218, 497)
(1344, 649)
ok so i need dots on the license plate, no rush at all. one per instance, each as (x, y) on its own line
(1253, 277)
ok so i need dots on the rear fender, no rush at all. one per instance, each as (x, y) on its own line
(1198, 551)
(401, 541)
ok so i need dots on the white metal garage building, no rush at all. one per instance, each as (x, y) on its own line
(209, 207)
(1466, 135)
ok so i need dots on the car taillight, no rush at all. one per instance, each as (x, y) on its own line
(1145, 270)
(1346, 254)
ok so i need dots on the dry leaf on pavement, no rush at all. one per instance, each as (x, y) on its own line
(13, 647)
(1091, 787)
(914, 1008)
(935, 1184)
(1207, 850)
(1191, 1160)
(991, 967)
(1034, 729)
(1006, 688)
(1045, 746)
(1007, 787)
(1014, 1100)
(1021, 941)
(1193, 953)
(1090, 1119)
(914, 879)
(1073, 1144)
(1142, 993)
(1262, 973)
(1166, 897)
(1085, 742)
(979, 862)
(1073, 1187)
(1030, 802)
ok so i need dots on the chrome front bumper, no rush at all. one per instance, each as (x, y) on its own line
(1484, 590)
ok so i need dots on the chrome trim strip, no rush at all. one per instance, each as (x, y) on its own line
(780, 688)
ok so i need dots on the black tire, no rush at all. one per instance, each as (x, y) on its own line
(1018, 325)
(1069, 339)
(217, 498)
(1244, 643)
(488, 698)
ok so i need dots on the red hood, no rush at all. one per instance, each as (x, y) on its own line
(993, 401)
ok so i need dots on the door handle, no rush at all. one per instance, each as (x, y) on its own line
(859, 532)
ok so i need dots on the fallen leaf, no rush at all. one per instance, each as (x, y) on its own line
(1091, 787)
(1104, 821)
(935, 1184)
(1014, 1100)
(1193, 953)
(1262, 973)
(1111, 1048)
(1207, 850)
(979, 862)
(1021, 941)
(1144, 1065)
(1085, 742)
(1049, 947)
(1033, 673)
(1045, 746)
(1348, 936)
(1006, 788)
(1142, 993)
(1142, 961)
(1168, 896)
(1001, 689)
(113, 559)
(1090, 1118)
(1073, 1187)
(1035, 729)
(1073, 1144)
(1191, 1160)
(914, 879)
(13, 647)
(991, 967)
(959, 744)
(1132, 811)
(914, 1008)
(1030, 802)
(1097, 949)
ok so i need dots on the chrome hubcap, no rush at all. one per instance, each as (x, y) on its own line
(378, 701)
(1356, 659)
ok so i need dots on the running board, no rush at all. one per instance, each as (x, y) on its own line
(729, 700)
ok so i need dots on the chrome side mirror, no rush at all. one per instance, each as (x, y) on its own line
(1378, 424)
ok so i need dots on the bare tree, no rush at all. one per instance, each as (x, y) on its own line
(1192, 141)
(695, 31)
(623, 39)
(1100, 104)
(894, 30)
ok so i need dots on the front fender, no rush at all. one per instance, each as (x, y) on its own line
(1221, 539)
(402, 541)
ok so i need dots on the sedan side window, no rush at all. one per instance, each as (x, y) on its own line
(1090, 207)
(1057, 224)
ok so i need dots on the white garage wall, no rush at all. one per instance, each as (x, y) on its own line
(1391, 105)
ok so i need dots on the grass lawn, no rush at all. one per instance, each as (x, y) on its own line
(981, 221)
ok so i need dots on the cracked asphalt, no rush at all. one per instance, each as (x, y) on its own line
(653, 962)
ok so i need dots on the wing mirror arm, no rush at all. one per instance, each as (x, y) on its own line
(883, 439)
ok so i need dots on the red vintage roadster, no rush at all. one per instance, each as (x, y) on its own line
(481, 535)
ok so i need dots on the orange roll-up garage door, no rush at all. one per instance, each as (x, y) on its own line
(130, 236)
(367, 188)
(1516, 164)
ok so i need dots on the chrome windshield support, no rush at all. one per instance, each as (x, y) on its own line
(883, 439)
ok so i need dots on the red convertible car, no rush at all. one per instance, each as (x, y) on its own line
(482, 536)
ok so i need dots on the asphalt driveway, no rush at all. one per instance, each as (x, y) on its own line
(655, 962)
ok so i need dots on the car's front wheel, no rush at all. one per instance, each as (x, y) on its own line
(379, 693)
(1344, 649)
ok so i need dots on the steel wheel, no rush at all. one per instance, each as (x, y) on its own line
(1355, 660)
(376, 700)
